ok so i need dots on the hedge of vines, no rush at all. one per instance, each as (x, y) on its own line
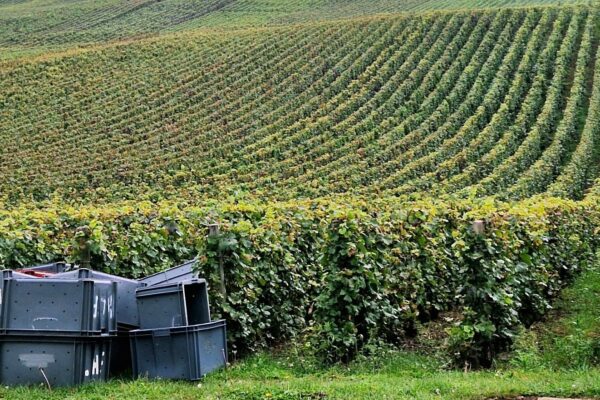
(339, 273)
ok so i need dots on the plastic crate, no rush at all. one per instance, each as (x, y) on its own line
(180, 273)
(127, 313)
(179, 353)
(64, 360)
(174, 304)
(77, 307)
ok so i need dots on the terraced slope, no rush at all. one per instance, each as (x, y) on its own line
(498, 103)
(50, 23)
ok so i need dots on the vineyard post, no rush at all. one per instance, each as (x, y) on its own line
(213, 230)
(83, 246)
(478, 227)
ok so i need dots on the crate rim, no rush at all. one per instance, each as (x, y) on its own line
(180, 329)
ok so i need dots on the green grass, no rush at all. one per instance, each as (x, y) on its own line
(558, 357)
(263, 377)
(571, 336)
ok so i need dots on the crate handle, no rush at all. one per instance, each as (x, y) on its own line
(161, 332)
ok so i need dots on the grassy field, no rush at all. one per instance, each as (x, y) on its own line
(271, 381)
(558, 357)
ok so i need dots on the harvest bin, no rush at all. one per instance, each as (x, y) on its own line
(126, 307)
(173, 304)
(78, 307)
(188, 352)
(64, 360)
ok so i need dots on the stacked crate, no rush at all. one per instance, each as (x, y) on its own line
(54, 331)
(126, 315)
(177, 339)
(64, 326)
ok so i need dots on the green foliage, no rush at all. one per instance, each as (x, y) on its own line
(28, 24)
(579, 172)
(344, 273)
(352, 306)
(271, 267)
(499, 103)
(485, 102)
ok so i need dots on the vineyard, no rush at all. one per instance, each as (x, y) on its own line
(27, 24)
(482, 103)
(371, 164)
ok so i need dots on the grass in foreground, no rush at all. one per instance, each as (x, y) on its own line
(560, 357)
(263, 378)
(570, 337)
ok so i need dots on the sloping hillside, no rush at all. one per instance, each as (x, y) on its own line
(51, 23)
(485, 102)
(371, 167)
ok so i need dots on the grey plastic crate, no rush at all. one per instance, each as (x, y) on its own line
(127, 313)
(179, 353)
(174, 304)
(180, 273)
(76, 307)
(65, 361)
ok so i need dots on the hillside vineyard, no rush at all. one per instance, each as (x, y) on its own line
(52, 23)
(371, 166)
(489, 103)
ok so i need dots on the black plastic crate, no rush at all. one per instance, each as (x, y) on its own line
(76, 307)
(127, 313)
(173, 304)
(54, 360)
(179, 273)
(186, 353)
